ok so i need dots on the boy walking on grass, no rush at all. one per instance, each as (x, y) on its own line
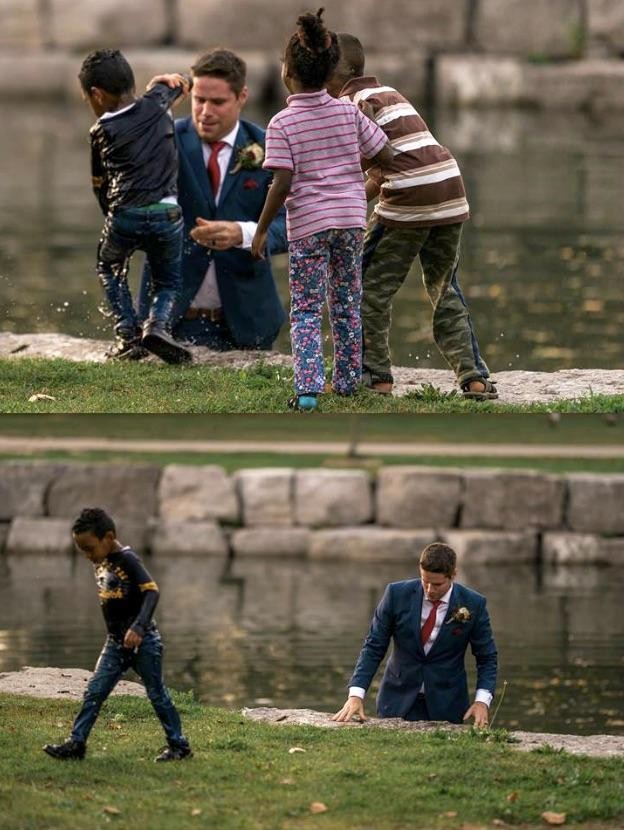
(128, 596)
(422, 206)
(134, 170)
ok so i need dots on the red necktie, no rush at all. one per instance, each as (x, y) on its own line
(214, 173)
(429, 625)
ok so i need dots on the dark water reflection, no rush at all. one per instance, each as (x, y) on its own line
(286, 632)
(543, 255)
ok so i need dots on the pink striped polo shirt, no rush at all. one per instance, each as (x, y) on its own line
(320, 139)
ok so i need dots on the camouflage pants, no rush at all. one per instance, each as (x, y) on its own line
(388, 256)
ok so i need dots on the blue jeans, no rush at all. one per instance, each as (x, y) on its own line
(113, 662)
(157, 232)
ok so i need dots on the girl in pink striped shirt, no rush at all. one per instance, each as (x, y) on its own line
(314, 148)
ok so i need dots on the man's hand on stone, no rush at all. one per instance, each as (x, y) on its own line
(481, 714)
(217, 235)
(352, 710)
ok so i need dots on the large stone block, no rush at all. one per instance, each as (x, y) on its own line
(123, 490)
(483, 547)
(605, 27)
(329, 498)
(39, 535)
(197, 493)
(512, 500)
(23, 487)
(589, 85)
(595, 503)
(271, 541)
(582, 549)
(417, 497)
(20, 25)
(480, 80)
(188, 538)
(91, 24)
(533, 28)
(266, 496)
(370, 544)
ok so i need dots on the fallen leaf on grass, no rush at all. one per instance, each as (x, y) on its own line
(498, 822)
(294, 749)
(111, 811)
(318, 807)
(449, 814)
(287, 781)
(39, 396)
(554, 818)
(196, 811)
(512, 797)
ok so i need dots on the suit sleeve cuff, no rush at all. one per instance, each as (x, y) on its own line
(483, 696)
(248, 230)
(357, 691)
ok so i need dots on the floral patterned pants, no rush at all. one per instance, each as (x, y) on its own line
(326, 265)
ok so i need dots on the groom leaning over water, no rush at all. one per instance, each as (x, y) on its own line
(431, 622)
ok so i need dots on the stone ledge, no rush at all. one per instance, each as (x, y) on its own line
(63, 684)
(599, 746)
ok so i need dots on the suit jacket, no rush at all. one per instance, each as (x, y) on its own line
(442, 670)
(252, 308)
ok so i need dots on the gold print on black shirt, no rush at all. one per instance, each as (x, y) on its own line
(112, 582)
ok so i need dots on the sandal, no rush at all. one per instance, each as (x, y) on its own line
(380, 384)
(489, 393)
(303, 403)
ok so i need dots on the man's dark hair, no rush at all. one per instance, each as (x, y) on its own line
(94, 520)
(221, 63)
(351, 54)
(108, 70)
(438, 558)
(312, 53)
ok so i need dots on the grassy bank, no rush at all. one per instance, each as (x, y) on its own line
(243, 776)
(120, 388)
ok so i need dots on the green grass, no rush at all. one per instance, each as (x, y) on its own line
(241, 461)
(243, 777)
(144, 388)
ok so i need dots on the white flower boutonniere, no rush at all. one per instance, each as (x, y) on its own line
(250, 157)
(460, 615)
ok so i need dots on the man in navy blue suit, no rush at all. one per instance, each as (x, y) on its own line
(431, 622)
(228, 299)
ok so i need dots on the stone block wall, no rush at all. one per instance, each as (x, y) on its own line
(480, 52)
(487, 516)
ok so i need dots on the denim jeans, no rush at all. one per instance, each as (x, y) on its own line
(113, 662)
(157, 232)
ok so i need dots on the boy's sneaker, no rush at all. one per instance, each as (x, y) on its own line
(68, 750)
(174, 753)
(127, 347)
(382, 385)
(156, 339)
(303, 403)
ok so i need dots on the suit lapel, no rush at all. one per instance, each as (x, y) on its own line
(418, 601)
(230, 176)
(192, 147)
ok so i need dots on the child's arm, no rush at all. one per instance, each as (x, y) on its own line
(98, 176)
(149, 591)
(278, 191)
(372, 188)
(171, 89)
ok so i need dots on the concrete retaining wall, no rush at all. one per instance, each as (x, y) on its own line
(479, 51)
(488, 516)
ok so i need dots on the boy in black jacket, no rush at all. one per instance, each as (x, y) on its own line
(128, 596)
(134, 167)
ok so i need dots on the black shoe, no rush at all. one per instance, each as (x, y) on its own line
(66, 751)
(156, 339)
(127, 346)
(174, 753)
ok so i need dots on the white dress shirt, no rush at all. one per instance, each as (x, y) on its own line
(208, 293)
(482, 695)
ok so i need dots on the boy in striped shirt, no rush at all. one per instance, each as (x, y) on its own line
(420, 212)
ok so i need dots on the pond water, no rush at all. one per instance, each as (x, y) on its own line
(543, 256)
(287, 632)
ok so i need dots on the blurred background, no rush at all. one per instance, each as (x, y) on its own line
(528, 95)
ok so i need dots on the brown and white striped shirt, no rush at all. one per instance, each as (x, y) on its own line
(423, 186)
